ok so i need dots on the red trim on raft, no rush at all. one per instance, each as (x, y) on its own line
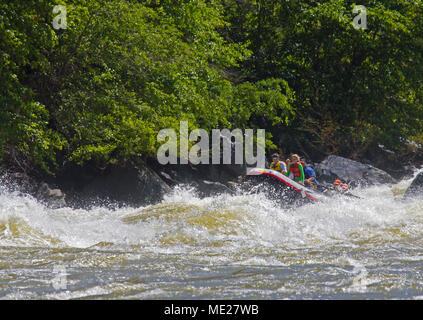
(286, 182)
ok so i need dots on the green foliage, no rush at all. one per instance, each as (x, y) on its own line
(354, 88)
(24, 119)
(101, 89)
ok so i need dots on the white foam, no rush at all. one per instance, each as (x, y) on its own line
(228, 221)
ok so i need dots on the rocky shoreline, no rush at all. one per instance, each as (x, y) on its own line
(148, 182)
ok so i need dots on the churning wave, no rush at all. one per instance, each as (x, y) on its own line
(186, 220)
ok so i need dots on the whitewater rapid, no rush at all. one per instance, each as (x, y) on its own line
(227, 246)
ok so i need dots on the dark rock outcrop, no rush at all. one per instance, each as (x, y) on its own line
(131, 185)
(24, 184)
(416, 187)
(134, 184)
(208, 180)
(52, 198)
(335, 167)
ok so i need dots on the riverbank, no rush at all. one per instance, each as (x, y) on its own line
(144, 183)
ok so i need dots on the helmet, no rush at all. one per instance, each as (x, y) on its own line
(337, 181)
(344, 186)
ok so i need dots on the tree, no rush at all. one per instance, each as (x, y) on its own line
(101, 89)
(354, 88)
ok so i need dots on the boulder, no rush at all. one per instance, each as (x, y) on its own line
(416, 187)
(18, 182)
(335, 167)
(21, 183)
(135, 186)
(52, 198)
(208, 180)
(212, 188)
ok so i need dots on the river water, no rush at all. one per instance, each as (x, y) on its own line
(224, 247)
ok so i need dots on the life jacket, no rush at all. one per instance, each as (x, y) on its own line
(295, 170)
(276, 166)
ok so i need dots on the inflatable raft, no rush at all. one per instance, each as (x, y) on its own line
(280, 187)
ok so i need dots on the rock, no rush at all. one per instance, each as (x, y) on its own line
(208, 180)
(116, 185)
(395, 164)
(53, 198)
(132, 185)
(19, 181)
(335, 167)
(416, 187)
(212, 188)
(24, 184)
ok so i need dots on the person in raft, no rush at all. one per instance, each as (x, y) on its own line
(277, 164)
(310, 179)
(340, 186)
(295, 169)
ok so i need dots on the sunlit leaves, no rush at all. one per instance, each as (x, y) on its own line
(101, 89)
